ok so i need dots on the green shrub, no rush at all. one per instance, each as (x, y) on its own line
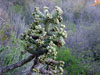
(4, 34)
(12, 53)
(13, 50)
(2, 49)
(18, 8)
(72, 65)
(71, 27)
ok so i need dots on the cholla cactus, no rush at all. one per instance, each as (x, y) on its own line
(46, 33)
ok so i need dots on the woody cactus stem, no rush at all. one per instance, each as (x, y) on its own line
(48, 36)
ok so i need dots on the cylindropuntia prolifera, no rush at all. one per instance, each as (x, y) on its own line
(48, 36)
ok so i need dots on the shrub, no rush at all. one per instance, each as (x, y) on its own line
(72, 64)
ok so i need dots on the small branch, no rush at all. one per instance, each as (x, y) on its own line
(16, 65)
(45, 72)
(52, 61)
(21, 63)
(35, 65)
